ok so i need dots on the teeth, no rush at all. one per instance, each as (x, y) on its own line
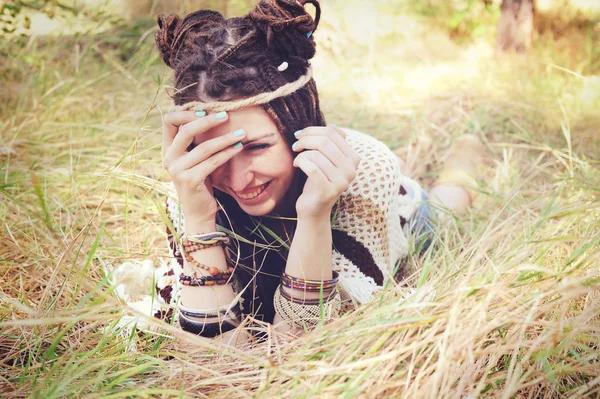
(253, 194)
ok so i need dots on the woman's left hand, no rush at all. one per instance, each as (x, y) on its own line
(330, 164)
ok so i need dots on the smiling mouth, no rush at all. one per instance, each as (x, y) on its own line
(253, 194)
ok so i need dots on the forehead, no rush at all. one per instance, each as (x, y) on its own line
(254, 120)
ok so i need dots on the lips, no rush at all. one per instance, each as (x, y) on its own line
(254, 193)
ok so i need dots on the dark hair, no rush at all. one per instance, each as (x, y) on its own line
(218, 59)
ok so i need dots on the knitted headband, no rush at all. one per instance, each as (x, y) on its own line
(258, 99)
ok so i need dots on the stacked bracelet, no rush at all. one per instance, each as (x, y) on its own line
(297, 283)
(212, 270)
(306, 314)
(219, 278)
(209, 330)
(305, 301)
(205, 240)
(228, 319)
(189, 247)
(194, 242)
(228, 310)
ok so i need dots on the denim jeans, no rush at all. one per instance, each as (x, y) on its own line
(420, 225)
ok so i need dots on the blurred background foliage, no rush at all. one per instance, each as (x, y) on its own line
(124, 24)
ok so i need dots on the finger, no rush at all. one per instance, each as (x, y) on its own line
(348, 150)
(218, 159)
(172, 121)
(324, 145)
(311, 169)
(331, 172)
(207, 149)
(337, 136)
(338, 130)
(185, 135)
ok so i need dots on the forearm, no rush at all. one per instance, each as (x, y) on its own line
(206, 297)
(310, 258)
(310, 255)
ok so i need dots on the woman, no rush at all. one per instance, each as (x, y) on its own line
(314, 214)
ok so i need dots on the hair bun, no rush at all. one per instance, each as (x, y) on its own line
(287, 25)
(165, 36)
(174, 31)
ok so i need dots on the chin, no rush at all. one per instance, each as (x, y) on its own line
(258, 210)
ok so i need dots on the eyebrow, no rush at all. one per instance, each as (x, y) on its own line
(258, 138)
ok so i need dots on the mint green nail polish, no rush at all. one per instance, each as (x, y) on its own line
(298, 133)
(200, 114)
(237, 145)
(221, 115)
(239, 133)
(294, 145)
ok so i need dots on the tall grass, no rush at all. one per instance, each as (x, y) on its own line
(504, 304)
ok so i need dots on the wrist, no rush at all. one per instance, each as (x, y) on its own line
(200, 225)
(315, 219)
(310, 255)
(191, 215)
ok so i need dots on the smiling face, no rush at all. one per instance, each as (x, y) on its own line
(260, 176)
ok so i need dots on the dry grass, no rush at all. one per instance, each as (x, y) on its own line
(505, 304)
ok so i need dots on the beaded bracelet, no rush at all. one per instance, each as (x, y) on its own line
(195, 242)
(190, 248)
(214, 279)
(212, 270)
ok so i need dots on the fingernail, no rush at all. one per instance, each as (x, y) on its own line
(200, 114)
(239, 133)
(294, 145)
(309, 34)
(237, 145)
(221, 115)
(297, 133)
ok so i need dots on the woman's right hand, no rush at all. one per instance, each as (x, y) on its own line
(190, 171)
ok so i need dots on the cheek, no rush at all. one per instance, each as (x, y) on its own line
(280, 166)
(282, 171)
(216, 177)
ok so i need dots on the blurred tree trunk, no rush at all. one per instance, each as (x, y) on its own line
(515, 27)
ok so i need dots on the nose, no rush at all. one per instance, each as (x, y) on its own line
(237, 174)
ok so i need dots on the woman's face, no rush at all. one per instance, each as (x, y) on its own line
(259, 177)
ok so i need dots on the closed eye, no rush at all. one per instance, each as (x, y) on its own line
(253, 147)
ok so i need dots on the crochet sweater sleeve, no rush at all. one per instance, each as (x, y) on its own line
(367, 229)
